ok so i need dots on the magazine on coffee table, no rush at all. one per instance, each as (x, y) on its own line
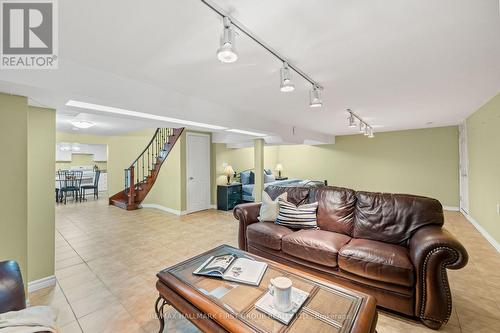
(265, 304)
(231, 268)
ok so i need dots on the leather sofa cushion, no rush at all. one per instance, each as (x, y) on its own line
(296, 195)
(378, 261)
(335, 209)
(318, 246)
(267, 234)
(393, 218)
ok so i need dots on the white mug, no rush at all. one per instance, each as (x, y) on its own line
(281, 289)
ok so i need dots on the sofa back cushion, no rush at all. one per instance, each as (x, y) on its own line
(393, 218)
(336, 207)
(296, 195)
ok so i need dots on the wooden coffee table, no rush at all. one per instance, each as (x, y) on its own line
(215, 305)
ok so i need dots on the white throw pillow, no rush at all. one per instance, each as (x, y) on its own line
(269, 208)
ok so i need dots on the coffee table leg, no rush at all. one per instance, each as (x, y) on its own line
(159, 305)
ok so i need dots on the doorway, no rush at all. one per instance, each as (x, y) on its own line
(197, 172)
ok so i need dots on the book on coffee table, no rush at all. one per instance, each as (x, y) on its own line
(230, 267)
(265, 304)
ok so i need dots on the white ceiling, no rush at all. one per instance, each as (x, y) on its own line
(398, 64)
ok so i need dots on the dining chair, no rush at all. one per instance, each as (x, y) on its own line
(71, 184)
(95, 187)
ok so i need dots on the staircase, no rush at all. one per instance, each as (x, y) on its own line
(142, 173)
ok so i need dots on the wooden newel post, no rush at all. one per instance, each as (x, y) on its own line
(131, 189)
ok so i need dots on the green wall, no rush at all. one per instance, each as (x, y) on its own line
(483, 143)
(14, 171)
(423, 162)
(41, 212)
(27, 225)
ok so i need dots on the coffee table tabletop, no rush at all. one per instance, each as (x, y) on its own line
(216, 305)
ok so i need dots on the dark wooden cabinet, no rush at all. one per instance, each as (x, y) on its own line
(228, 196)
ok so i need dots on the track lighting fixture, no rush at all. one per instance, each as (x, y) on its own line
(286, 79)
(361, 127)
(364, 128)
(352, 119)
(315, 97)
(227, 51)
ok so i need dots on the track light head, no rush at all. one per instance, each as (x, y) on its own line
(371, 135)
(361, 127)
(351, 119)
(286, 79)
(315, 97)
(367, 131)
(227, 51)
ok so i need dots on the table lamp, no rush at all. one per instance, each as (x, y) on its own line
(279, 168)
(228, 171)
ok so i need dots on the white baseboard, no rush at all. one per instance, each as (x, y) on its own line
(48, 281)
(483, 232)
(451, 208)
(165, 209)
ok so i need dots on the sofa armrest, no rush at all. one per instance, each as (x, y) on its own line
(247, 214)
(433, 250)
(12, 296)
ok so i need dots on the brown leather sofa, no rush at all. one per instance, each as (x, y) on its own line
(12, 296)
(391, 246)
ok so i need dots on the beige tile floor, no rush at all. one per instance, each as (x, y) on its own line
(107, 258)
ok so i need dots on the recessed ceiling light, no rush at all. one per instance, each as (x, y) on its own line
(110, 109)
(82, 123)
(245, 132)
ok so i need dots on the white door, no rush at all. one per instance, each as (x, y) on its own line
(464, 170)
(198, 172)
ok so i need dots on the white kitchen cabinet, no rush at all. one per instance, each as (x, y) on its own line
(62, 155)
(100, 152)
(103, 182)
(65, 151)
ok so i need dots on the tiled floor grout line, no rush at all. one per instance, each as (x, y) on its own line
(97, 276)
(62, 289)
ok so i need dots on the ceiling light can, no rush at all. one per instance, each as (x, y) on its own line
(227, 50)
(351, 119)
(286, 79)
(315, 97)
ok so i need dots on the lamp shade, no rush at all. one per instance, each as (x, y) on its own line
(279, 167)
(228, 170)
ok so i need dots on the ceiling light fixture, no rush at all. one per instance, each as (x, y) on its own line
(110, 109)
(352, 119)
(315, 97)
(364, 128)
(241, 28)
(286, 79)
(82, 123)
(227, 51)
(234, 130)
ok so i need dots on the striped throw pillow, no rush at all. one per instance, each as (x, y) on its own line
(297, 217)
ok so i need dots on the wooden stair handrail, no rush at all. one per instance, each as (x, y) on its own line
(140, 177)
